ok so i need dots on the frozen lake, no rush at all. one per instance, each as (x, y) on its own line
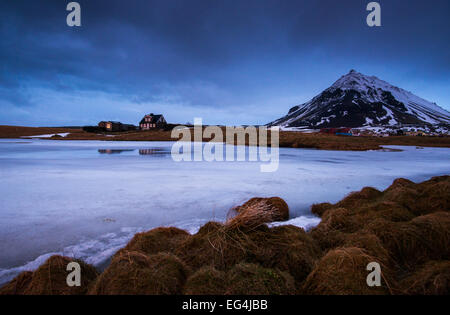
(88, 198)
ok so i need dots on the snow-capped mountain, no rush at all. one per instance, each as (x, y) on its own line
(357, 100)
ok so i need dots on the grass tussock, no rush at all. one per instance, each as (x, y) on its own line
(287, 248)
(252, 279)
(156, 241)
(412, 243)
(258, 211)
(136, 273)
(320, 208)
(433, 278)
(206, 281)
(342, 271)
(242, 279)
(50, 279)
(18, 285)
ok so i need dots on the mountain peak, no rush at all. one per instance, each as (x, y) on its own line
(357, 100)
(358, 81)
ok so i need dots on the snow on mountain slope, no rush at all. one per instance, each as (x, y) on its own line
(357, 100)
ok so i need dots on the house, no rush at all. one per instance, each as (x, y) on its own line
(110, 125)
(152, 121)
(115, 126)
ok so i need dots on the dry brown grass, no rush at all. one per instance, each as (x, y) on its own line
(320, 208)
(404, 227)
(413, 243)
(18, 131)
(401, 202)
(287, 248)
(252, 279)
(136, 273)
(433, 278)
(18, 285)
(371, 244)
(206, 281)
(342, 271)
(258, 211)
(331, 142)
(242, 279)
(156, 241)
(50, 279)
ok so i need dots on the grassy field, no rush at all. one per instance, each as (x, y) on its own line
(287, 139)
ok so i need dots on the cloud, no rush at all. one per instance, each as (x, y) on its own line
(219, 56)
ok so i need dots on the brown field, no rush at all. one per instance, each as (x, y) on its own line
(405, 229)
(287, 139)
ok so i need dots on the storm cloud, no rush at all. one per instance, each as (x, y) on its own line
(228, 61)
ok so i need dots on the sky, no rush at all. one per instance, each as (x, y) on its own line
(227, 61)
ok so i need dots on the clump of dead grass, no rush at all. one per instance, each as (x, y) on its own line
(261, 210)
(320, 208)
(18, 285)
(342, 271)
(411, 243)
(50, 278)
(358, 198)
(133, 273)
(157, 241)
(206, 281)
(252, 279)
(433, 278)
(287, 248)
(253, 214)
(241, 279)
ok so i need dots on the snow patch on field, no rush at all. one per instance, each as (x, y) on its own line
(64, 134)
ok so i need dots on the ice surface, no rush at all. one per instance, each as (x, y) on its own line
(86, 199)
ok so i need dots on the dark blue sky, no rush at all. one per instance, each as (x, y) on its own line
(228, 61)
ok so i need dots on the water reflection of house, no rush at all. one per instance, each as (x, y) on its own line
(114, 151)
(152, 121)
(151, 151)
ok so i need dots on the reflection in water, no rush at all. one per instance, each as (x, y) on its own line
(153, 151)
(150, 151)
(114, 151)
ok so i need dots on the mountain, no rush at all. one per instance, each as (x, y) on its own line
(357, 100)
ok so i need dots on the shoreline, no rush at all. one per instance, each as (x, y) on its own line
(364, 224)
(288, 139)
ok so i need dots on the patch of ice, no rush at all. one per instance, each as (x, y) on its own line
(305, 222)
